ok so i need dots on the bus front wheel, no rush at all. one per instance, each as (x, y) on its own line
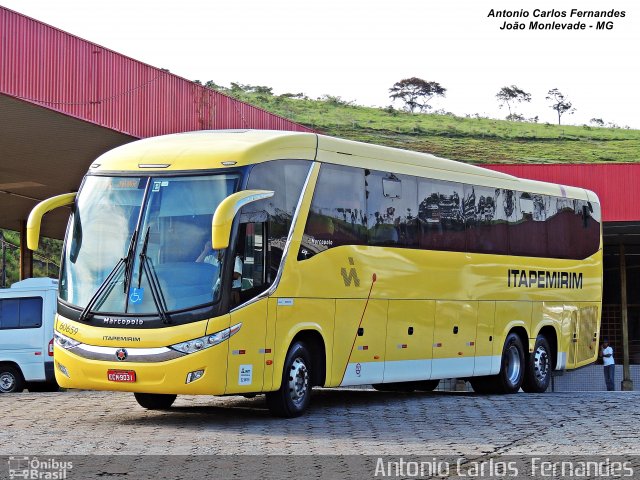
(294, 394)
(155, 401)
(538, 373)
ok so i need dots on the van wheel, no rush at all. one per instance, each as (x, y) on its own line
(538, 372)
(155, 401)
(294, 394)
(11, 380)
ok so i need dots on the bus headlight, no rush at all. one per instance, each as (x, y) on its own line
(201, 343)
(64, 341)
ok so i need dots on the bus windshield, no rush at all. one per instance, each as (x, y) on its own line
(142, 245)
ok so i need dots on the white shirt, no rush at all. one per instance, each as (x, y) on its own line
(608, 360)
(237, 268)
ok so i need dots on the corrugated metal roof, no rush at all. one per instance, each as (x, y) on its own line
(615, 184)
(54, 69)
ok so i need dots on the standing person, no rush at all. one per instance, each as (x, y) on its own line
(606, 352)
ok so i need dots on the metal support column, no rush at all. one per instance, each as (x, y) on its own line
(627, 383)
(26, 255)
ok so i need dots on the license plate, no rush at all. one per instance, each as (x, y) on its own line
(128, 376)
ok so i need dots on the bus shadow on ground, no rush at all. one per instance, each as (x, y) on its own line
(329, 404)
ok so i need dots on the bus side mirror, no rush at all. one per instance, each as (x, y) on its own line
(35, 217)
(226, 212)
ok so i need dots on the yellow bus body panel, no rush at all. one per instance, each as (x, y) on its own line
(383, 314)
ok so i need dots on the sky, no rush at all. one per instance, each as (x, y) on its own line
(358, 49)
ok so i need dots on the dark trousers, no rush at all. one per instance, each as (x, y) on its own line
(610, 377)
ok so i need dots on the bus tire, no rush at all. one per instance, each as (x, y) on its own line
(538, 371)
(294, 394)
(426, 385)
(512, 366)
(11, 380)
(155, 401)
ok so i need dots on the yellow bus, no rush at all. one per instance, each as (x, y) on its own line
(247, 262)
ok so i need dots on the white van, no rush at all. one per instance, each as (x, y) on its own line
(27, 312)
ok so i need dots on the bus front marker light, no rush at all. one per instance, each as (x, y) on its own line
(195, 375)
(63, 369)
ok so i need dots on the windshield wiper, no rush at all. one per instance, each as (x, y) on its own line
(105, 288)
(128, 260)
(107, 285)
(154, 282)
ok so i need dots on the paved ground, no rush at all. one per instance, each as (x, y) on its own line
(339, 422)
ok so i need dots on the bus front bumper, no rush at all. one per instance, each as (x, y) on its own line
(170, 377)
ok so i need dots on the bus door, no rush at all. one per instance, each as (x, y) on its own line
(454, 339)
(247, 349)
(570, 331)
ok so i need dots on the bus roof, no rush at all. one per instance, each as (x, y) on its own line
(212, 149)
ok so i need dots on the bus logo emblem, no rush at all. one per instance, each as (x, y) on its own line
(121, 354)
(352, 276)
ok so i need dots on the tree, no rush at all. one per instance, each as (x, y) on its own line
(597, 122)
(511, 95)
(560, 103)
(416, 93)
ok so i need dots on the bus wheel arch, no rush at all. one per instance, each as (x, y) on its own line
(314, 342)
(11, 378)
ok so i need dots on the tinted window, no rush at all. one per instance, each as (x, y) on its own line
(486, 220)
(338, 214)
(392, 209)
(527, 226)
(10, 313)
(440, 212)
(30, 312)
(20, 313)
(286, 178)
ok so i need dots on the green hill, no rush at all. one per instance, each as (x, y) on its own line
(476, 140)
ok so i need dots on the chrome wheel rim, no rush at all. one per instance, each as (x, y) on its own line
(7, 382)
(513, 365)
(541, 364)
(298, 381)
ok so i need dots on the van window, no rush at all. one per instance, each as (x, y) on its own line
(20, 313)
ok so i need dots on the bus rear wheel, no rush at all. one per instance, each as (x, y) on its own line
(155, 401)
(294, 395)
(512, 369)
(512, 366)
(538, 372)
(10, 379)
